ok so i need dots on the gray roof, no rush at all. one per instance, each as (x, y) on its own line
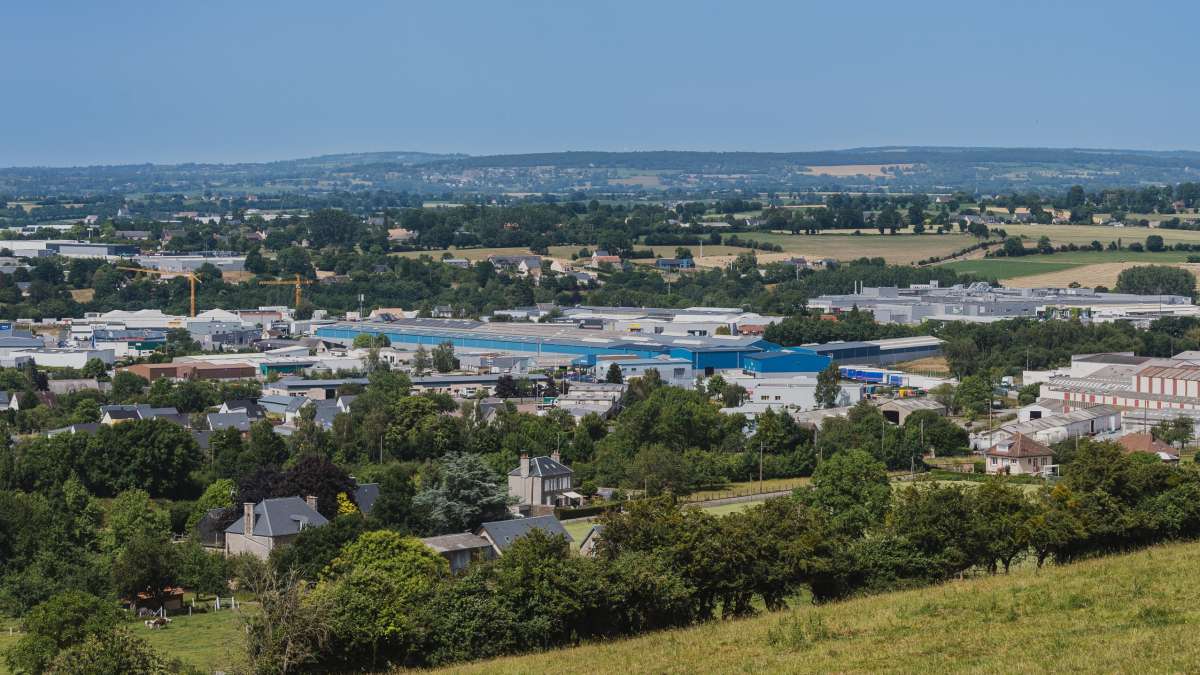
(544, 466)
(278, 403)
(456, 542)
(504, 532)
(21, 342)
(365, 496)
(230, 420)
(280, 517)
(83, 428)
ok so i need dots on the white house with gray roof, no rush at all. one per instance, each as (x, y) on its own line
(270, 524)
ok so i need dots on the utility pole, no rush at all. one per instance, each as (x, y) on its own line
(760, 467)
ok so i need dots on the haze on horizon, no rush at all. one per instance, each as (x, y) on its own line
(131, 82)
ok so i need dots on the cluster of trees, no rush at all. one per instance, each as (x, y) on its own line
(383, 600)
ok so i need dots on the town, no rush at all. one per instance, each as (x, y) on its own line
(658, 338)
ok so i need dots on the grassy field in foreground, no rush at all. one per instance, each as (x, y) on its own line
(1136, 612)
(210, 642)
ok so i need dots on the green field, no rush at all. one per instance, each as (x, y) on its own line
(1117, 614)
(1008, 268)
(1011, 268)
(207, 641)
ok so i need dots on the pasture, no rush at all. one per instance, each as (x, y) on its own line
(1134, 611)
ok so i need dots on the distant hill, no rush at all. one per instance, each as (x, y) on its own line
(1130, 612)
(909, 168)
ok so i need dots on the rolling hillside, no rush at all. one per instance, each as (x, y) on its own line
(1135, 612)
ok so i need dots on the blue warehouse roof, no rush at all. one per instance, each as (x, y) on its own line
(552, 338)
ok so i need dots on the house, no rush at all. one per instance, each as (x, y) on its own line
(270, 524)
(521, 265)
(542, 481)
(248, 406)
(399, 235)
(280, 405)
(1146, 442)
(442, 312)
(460, 550)
(898, 409)
(365, 495)
(1018, 455)
(113, 414)
(502, 533)
(588, 546)
(231, 420)
(10, 400)
(602, 258)
(674, 264)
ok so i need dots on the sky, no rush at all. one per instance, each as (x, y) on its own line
(118, 82)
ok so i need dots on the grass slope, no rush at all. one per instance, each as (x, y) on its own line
(1136, 612)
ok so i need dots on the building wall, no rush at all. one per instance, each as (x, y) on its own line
(1017, 466)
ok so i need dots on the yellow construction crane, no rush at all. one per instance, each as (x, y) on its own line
(299, 283)
(192, 280)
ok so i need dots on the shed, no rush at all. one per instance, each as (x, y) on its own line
(898, 409)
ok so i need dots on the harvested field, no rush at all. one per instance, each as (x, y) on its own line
(845, 170)
(1103, 274)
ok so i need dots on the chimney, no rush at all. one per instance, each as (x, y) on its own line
(311, 500)
(524, 465)
(248, 518)
(556, 457)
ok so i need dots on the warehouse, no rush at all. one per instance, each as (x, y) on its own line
(880, 352)
(705, 353)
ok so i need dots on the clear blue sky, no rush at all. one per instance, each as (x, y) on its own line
(116, 82)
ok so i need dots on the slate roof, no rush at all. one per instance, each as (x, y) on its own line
(544, 466)
(504, 532)
(365, 496)
(252, 408)
(230, 420)
(279, 517)
(281, 404)
(456, 542)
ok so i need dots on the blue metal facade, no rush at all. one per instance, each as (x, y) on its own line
(700, 357)
(796, 361)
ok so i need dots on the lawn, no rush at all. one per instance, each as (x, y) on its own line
(1121, 613)
(1086, 267)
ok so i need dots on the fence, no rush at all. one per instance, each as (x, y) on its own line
(768, 487)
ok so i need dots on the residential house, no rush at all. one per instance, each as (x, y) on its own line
(231, 420)
(270, 524)
(1018, 455)
(502, 533)
(674, 264)
(1146, 442)
(248, 406)
(587, 548)
(399, 235)
(10, 400)
(460, 550)
(542, 481)
(114, 414)
(365, 495)
(603, 258)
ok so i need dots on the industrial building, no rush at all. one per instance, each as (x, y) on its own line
(706, 354)
(982, 302)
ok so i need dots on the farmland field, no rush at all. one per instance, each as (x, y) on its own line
(1119, 613)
